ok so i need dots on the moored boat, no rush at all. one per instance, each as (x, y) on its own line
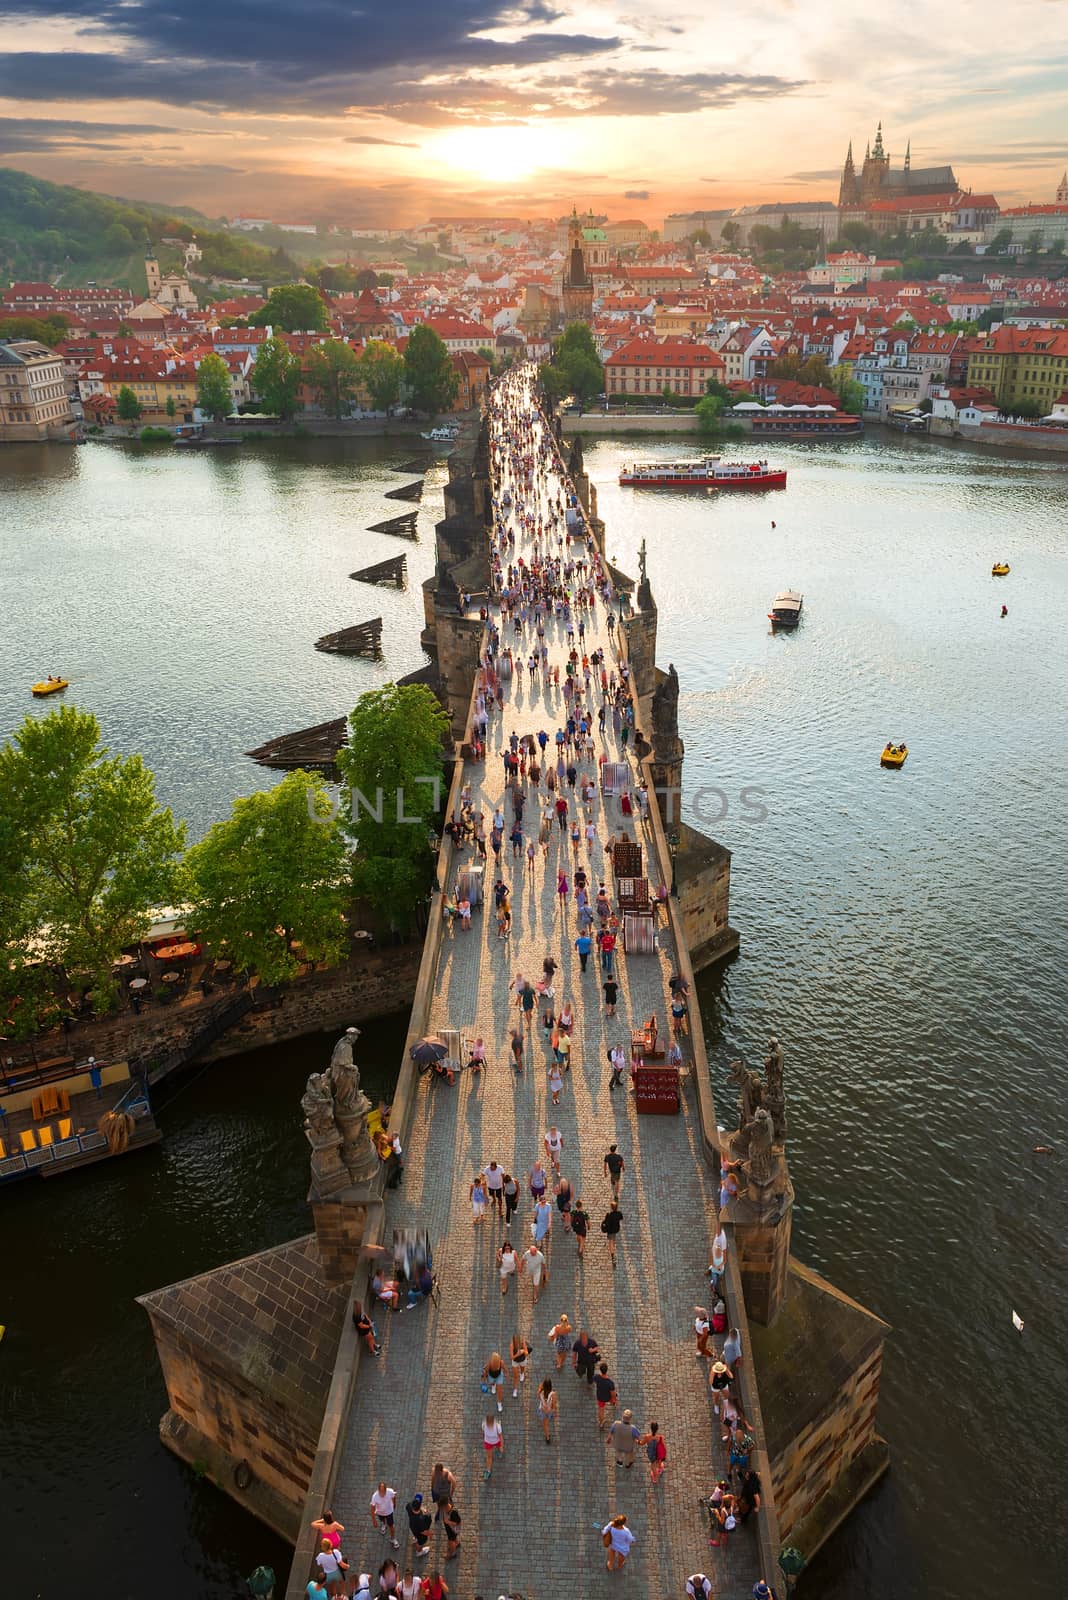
(786, 609)
(708, 472)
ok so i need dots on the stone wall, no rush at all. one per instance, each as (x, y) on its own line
(703, 870)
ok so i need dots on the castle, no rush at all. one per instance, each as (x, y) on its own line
(878, 181)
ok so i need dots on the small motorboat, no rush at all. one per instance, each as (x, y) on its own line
(1000, 569)
(49, 686)
(786, 609)
(894, 755)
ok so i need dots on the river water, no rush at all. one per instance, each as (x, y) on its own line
(902, 932)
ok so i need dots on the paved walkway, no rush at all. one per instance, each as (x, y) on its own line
(534, 1527)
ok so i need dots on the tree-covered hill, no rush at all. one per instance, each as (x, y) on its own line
(49, 231)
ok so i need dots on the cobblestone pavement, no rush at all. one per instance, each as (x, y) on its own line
(534, 1527)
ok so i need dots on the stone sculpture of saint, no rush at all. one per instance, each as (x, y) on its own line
(318, 1104)
(760, 1135)
(774, 1093)
(344, 1075)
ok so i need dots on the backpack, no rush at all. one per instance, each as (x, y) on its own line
(661, 1449)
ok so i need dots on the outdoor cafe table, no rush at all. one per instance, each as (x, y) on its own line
(176, 952)
(171, 977)
(138, 984)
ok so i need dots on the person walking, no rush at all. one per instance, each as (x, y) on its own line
(383, 1507)
(698, 1587)
(655, 1451)
(556, 1082)
(580, 1226)
(435, 1587)
(493, 1378)
(564, 1194)
(518, 1356)
(561, 1337)
(617, 1061)
(388, 1577)
(507, 1263)
(451, 1521)
(538, 1181)
(477, 1193)
(701, 1327)
(517, 1048)
(583, 944)
(442, 1488)
(623, 1439)
(332, 1567)
(419, 1523)
(718, 1263)
(610, 989)
(543, 1221)
(535, 1269)
(492, 1440)
(584, 1353)
(617, 1539)
(554, 1145)
(548, 1407)
(732, 1350)
(614, 1167)
(604, 1389)
(718, 1381)
(510, 1190)
(494, 1176)
(611, 1223)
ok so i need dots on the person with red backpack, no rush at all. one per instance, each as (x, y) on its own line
(655, 1451)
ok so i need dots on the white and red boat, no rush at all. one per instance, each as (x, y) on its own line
(708, 472)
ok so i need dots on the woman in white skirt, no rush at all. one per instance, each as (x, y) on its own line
(506, 1264)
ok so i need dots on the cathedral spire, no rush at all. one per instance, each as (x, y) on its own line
(908, 156)
(878, 151)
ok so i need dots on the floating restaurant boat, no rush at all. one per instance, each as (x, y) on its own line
(707, 473)
(49, 686)
(786, 609)
(894, 755)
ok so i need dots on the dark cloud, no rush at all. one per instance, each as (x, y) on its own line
(635, 194)
(367, 138)
(30, 135)
(819, 176)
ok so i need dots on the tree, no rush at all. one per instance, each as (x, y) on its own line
(276, 378)
(1000, 243)
(707, 410)
(275, 871)
(129, 407)
(367, 278)
(850, 393)
(575, 365)
(390, 770)
(814, 370)
(785, 367)
(296, 307)
(381, 371)
(214, 394)
(333, 371)
(715, 387)
(432, 380)
(170, 408)
(96, 850)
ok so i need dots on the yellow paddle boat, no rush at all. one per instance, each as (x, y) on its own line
(1000, 569)
(894, 755)
(49, 686)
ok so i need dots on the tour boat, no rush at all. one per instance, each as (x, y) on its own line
(49, 686)
(443, 434)
(1000, 569)
(706, 473)
(786, 609)
(894, 755)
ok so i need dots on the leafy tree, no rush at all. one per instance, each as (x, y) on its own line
(700, 237)
(276, 870)
(381, 371)
(389, 768)
(333, 371)
(431, 378)
(129, 407)
(814, 370)
(1000, 243)
(367, 278)
(96, 850)
(296, 307)
(785, 367)
(170, 408)
(214, 394)
(708, 410)
(276, 377)
(715, 387)
(50, 330)
(730, 232)
(850, 393)
(576, 366)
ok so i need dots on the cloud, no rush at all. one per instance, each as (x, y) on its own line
(31, 135)
(819, 176)
(367, 138)
(635, 194)
(1019, 155)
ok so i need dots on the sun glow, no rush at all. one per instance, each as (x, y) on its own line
(499, 154)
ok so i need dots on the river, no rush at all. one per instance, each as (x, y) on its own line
(902, 932)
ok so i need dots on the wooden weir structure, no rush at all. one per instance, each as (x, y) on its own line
(365, 639)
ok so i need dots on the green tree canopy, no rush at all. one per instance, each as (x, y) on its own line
(390, 770)
(296, 307)
(128, 405)
(95, 851)
(333, 371)
(381, 374)
(276, 870)
(432, 380)
(367, 278)
(50, 330)
(575, 367)
(276, 377)
(214, 394)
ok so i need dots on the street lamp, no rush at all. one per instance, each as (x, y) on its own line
(673, 846)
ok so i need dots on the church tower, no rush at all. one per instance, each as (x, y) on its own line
(577, 286)
(876, 169)
(152, 273)
(1062, 191)
(848, 193)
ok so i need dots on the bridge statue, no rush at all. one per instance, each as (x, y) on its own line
(344, 1075)
(318, 1103)
(756, 1093)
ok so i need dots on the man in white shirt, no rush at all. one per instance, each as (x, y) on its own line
(534, 1267)
(383, 1503)
(698, 1587)
(494, 1176)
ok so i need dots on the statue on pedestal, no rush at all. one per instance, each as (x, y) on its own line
(752, 1091)
(318, 1104)
(759, 1134)
(344, 1075)
(774, 1094)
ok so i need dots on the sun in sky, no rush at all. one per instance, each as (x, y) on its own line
(498, 154)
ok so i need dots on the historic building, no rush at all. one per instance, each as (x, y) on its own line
(877, 180)
(33, 392)
(576, 290)
(170, 289)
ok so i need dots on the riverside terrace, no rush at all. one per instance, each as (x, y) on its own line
(534, 1526)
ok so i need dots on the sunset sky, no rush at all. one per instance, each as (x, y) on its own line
(386, 112)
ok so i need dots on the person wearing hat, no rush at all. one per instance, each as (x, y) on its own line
(420, 1523)
(719, 1381)
(763, 1591)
